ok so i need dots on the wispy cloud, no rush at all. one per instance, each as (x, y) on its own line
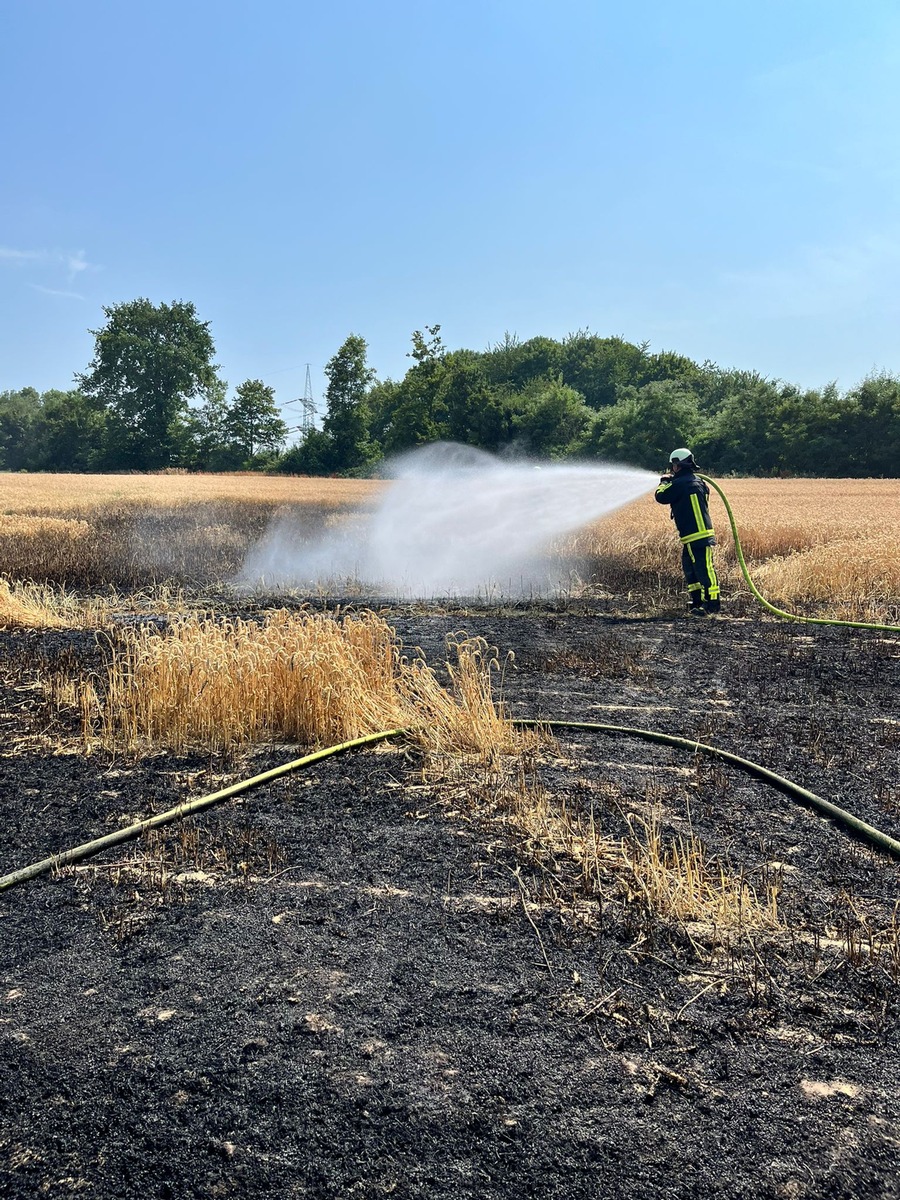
(7, 254)
(74, 262)
(55, 267)
(56, 292)
(77, 263)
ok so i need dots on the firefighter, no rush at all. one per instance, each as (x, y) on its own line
(688, 498)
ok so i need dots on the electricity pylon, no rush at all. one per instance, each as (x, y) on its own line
(307, 407)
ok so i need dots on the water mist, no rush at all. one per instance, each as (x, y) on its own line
(454, 522)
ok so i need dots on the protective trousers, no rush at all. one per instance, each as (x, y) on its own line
(700, 573)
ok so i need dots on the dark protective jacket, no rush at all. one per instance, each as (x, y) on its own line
(689, 498)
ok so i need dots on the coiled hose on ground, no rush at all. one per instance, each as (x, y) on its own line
(846, 820)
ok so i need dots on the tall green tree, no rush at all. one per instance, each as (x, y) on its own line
(427, 346)
(208, 447)
(515, 363)
(477, 412)
(872, 443)
(552, 418)
(252, 421)
(597, 367)
(415, 412)
(149, 362)
(311, 456)
(346, 423)
(765, 427)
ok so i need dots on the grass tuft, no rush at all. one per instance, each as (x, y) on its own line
(679, 883)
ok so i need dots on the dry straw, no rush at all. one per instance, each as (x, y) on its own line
(671, 878)
(136, 531)
(40, 606)
(24, 605)
(304, 678)
(676, 881)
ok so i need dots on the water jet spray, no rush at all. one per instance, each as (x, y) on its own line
(454, 522)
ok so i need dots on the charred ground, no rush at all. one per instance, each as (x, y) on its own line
(367, 981)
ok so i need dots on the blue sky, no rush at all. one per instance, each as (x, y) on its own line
(719, 178)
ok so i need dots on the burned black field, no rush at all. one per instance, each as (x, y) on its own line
(368, 979)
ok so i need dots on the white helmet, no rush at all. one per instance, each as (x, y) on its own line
(681, 455)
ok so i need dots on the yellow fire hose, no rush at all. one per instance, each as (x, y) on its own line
(128, 832)
(779, 612)
(852, 824)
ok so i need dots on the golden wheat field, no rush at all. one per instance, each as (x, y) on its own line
(828, 545)
(69, 495)
(136, 531)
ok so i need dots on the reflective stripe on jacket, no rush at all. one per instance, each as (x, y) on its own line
(689, 498)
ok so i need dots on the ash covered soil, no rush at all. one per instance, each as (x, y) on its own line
(366, 981)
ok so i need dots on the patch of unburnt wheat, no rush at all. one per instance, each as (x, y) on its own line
(466, 716)
(301, 677)
(649, 877)
(41, 606)
(678, 882)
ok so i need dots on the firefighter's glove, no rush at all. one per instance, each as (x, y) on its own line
(666, 478)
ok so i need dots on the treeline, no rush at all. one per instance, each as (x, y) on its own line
(592, 397)
(152, 398)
